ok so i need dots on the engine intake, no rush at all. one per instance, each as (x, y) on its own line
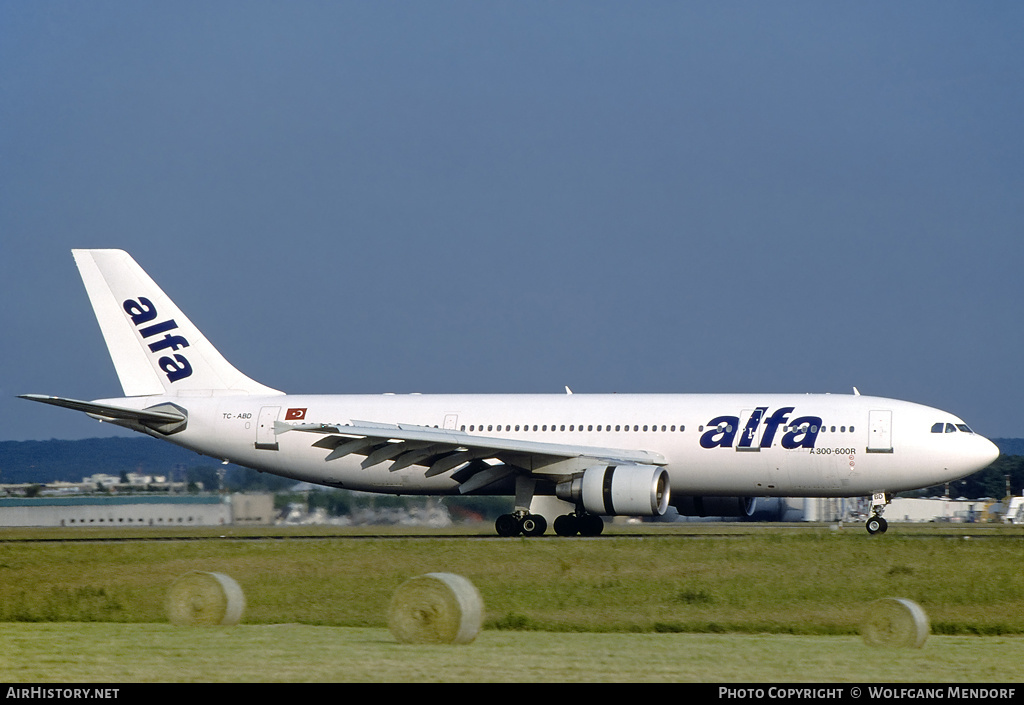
(715, 506)
(625, 490)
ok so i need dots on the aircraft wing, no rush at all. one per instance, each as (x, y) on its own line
(443, 450)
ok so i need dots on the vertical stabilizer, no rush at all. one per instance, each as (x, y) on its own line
(155, 348)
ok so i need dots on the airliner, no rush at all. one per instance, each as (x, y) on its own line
(573, 459)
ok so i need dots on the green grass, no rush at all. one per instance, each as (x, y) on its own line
(141, 653)
(803, 581)
(712, 603)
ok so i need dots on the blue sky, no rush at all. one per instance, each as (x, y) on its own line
(513, 197)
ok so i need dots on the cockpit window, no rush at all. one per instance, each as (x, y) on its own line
(942, 427)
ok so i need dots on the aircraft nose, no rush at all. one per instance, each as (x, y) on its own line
(988, 452)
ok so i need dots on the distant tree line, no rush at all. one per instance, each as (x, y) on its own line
(990, 482)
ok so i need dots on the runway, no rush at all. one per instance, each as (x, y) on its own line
(485, 532)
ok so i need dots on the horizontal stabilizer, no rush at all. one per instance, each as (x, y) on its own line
(165, 418)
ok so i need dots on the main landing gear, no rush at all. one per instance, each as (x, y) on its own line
(875, 523)
(522, 522)
(583, 524)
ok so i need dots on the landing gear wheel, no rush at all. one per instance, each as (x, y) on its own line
(567, 525)
(876, 525)
(507, 525)
(533, 525)
(591, 525)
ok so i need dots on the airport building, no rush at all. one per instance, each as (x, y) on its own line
(111, 511)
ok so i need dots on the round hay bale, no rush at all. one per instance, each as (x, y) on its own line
(436, 608)
(895, 622)
(205, 599)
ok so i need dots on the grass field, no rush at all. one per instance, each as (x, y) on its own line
(147, 653)
(773, 581)
(722, 603)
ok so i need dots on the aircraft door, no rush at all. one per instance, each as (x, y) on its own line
(749, 431)
(880, 432)
(266, 439)
(451, 421)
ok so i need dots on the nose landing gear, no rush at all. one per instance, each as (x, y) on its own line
(875, 523)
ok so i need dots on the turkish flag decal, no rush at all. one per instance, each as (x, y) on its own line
(295, 414)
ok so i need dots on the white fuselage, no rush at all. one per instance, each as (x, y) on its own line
(727, 445)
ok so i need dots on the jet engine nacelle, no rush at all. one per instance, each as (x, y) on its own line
(715, 506)
(626, 490)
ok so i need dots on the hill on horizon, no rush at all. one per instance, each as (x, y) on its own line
(70, 461)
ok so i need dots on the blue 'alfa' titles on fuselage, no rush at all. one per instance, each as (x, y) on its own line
(802, 432)
(143, 311)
